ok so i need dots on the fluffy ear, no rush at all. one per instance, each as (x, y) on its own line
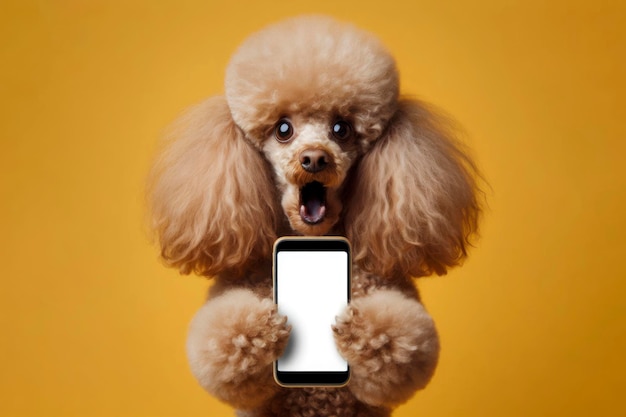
(213, 202)
(413, 202)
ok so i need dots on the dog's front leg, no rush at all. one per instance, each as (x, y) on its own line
(391, 345)
(233, 340)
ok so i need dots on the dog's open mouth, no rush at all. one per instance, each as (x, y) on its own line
(313, 202)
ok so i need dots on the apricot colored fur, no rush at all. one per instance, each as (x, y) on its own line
(400, 188)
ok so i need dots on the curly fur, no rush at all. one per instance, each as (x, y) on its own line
(203, 203)
(312, 65)
(419, 195)
(398, 185)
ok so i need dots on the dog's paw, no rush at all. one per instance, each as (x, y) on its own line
(259, 337)
(391, 345)
(233, 340)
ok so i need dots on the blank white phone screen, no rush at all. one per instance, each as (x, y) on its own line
(312, 289)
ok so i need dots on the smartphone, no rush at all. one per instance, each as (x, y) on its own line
(311, 288)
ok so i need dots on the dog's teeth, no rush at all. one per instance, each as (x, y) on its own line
(312, 208)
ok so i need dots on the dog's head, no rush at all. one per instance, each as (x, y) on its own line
(312, 130)
(312, 94)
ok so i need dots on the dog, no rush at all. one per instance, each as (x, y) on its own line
(312, 137)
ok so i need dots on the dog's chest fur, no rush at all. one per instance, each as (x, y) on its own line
(259, 280)
(315, 402)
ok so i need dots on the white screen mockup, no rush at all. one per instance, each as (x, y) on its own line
(312, 289)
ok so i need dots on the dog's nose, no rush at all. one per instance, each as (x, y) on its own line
(314, 160)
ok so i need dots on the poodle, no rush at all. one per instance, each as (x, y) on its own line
(312, 138)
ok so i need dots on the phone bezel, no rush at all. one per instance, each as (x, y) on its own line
(294, 243)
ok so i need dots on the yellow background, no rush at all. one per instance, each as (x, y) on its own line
(92, 324)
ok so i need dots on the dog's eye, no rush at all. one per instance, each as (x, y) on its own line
(342, 130)
(283, 130)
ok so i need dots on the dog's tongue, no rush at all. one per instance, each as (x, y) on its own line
(313, 207)
(313, 211)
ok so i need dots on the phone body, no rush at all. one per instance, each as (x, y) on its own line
(311, 287)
